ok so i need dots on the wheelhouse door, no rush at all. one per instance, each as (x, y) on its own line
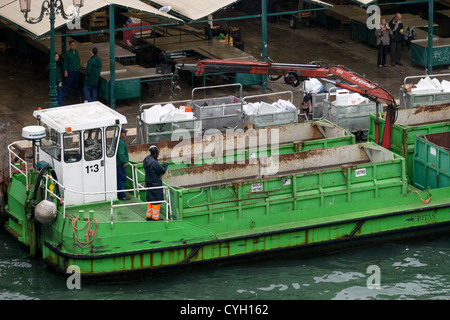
(93, 166)
(112, 140)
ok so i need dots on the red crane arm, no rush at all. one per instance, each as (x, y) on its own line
(368, 88)
(294, 73)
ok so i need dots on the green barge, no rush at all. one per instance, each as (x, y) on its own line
(64, 206)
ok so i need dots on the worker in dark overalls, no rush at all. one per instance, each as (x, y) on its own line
(71, 70)
(153, 173)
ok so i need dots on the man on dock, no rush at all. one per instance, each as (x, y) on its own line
(396, 26)
(153, 173)
(71, 70)
(93, 70)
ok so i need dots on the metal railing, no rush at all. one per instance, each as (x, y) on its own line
(13, 165)
(138, 187)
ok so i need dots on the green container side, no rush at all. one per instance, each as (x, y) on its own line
(123, 89)
(403, 138)
(431, 165)
(309, 190)
(440, 55)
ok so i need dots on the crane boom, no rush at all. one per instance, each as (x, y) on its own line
(295, 73)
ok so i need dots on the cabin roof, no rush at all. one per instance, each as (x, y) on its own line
(80, 117)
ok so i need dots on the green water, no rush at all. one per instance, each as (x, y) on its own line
(416, 270)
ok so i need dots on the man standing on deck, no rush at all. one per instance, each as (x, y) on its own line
(153, 173)
(122, 162)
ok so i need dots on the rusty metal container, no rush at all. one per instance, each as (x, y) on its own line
(246, 144)
(311, 179)
(237, 145)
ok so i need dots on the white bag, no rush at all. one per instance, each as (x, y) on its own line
(313, 86)
(251, 108)
(445, 85)
(342, 97)
(153, 114)
(285, 105)
(266, 108)
(437, 84)
(356, 98)
(425, 85)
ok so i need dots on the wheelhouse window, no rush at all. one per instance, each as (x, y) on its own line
(51, 144)
(112, 136)
(93, 144)
(72, 146)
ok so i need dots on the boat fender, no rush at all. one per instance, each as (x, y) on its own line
(45, 211)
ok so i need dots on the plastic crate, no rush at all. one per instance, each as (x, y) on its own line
(318, 103)
(217, 113)
(353, 118)
(269, 119)
(148, 131)
(409, 100)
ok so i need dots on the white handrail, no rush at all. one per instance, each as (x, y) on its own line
(47, 190)
(139, 188)
(12, 165)
(134, 178)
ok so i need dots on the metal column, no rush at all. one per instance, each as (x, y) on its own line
(112, 60)
(264, 39)
(52, 66)
(430, 37)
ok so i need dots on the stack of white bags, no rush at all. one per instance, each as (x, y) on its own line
(340, 97)
(259, 108)
(166, 113)
(428, 85)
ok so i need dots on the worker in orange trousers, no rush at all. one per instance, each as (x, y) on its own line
(153, 173)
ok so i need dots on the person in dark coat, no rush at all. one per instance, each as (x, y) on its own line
(92, 79)
(396, 26)
(153, 173)
(71, 70)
